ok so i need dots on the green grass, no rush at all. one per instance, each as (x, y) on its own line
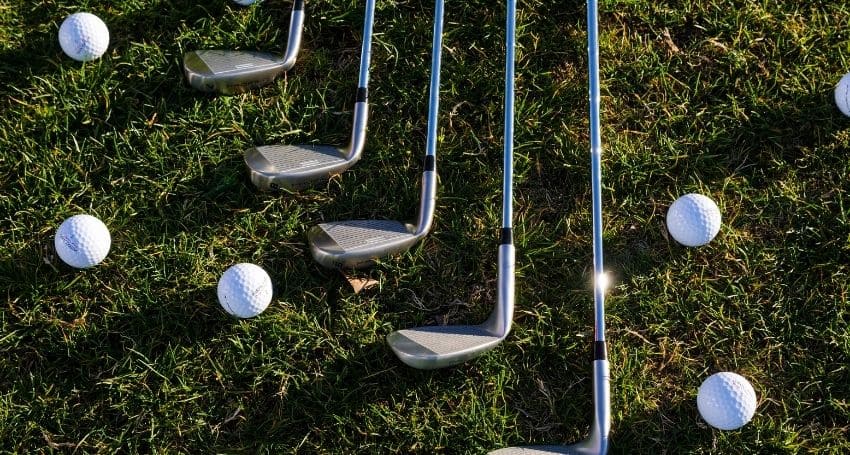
(729, 98)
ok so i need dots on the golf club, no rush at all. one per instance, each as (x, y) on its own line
(358, 243)
(442, 346)
(229, 72)
(295, 166)
(597, 441)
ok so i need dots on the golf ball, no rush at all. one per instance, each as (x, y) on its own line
(245, 290)
(82, 241)
(246, 2)
(693, 220)
(83, 36)
(842, 95)
(726, 401)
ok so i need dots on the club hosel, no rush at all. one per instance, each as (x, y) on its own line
(428, 201)
(296, 27)
(358, 129)
(501, 318)
(601, 403)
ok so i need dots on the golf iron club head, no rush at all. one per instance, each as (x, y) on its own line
(296, 166)
(433, 347)
(229, 72)
(355, 244)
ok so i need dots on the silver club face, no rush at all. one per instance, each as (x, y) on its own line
(229, 72)
(293, 166)
(433, 347)
(584, 448)
(358, 243)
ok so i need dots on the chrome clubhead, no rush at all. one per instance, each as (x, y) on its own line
(274, 167)
(428, 348)
(433, 347)
(230, 72)
(358, 243)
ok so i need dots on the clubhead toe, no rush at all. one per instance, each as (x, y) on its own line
(358, 243)
(588, 447)
(293, 166)
(433, 347)
(230, 72)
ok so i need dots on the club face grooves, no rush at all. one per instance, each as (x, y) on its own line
(230, 72)
(433, 347)
(293, 167)
(357, 244)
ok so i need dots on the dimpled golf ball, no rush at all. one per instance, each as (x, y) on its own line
(245, 290)
(83, 36)
(82, 241)
(842, 95)
(693, 220)
(726, 401)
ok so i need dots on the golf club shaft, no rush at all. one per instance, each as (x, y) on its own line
(366, 49)
(296, 27)
(502, 317)
(601, 374)
(361, 106)
(596, 169)
(429, 174)
(436, 59)
(508, 182)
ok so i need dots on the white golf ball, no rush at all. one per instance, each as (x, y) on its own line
(246, 2)
(842, 95)
(83, 36)
(693, 220)
(726, 401)
(82, 241)
(245, 290)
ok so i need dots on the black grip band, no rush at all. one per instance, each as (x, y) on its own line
(362, 94)
(600, 350)
(429, 164)
(506, 237)
(298, 5)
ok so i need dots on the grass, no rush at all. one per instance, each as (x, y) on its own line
(729, 98)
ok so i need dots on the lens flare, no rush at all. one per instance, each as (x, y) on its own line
(603, 280)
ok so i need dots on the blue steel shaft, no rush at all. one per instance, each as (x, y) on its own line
(508, 182)
(436, 58)
(366, 51)
(596, 168)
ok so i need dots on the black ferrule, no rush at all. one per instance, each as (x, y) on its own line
(430, 163)
(298, 5)
(507, 237)
(600, 351)
(362, 94)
